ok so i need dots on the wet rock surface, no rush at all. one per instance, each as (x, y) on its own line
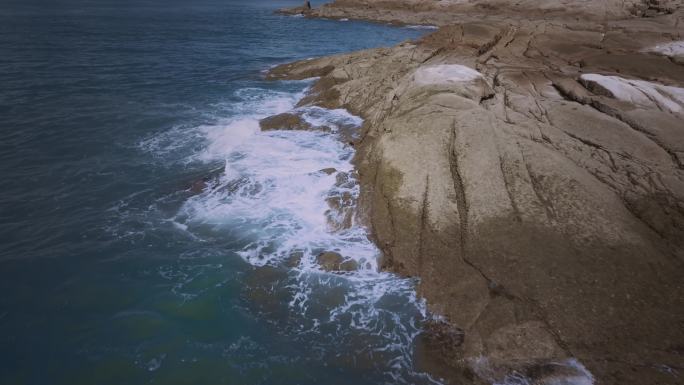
(333, 262)
(526, 162)
(284, 121)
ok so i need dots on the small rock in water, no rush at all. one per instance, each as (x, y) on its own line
(284, 121)
(334, 262)
(329, 170)
(349, 265)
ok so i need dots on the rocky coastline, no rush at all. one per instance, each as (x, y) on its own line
(526, 161)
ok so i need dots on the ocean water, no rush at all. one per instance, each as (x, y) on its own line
(151, 234)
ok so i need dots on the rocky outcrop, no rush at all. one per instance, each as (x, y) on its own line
(445, 12)
(529, 170)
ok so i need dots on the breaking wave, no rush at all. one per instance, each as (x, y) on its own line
(288, 197)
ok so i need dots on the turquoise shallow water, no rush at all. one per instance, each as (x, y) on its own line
(112, 271)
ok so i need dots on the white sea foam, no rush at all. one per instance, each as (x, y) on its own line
(180, 143)
(317, 116)
(273, 189)
(273, 198)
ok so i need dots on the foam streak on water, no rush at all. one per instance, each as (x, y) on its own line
(274, 195)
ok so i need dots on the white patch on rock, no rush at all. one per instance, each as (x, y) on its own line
(638, 92)
(421, 26)
(675, 48)
(445, 74)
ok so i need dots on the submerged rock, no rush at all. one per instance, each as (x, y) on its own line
(198, 186)
(208, 181)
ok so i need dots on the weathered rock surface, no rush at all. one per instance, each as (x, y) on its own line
(529, 167)
(640, 94)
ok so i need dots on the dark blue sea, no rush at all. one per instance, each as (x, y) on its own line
(150, 233)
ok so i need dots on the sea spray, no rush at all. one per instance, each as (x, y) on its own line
(274, 196)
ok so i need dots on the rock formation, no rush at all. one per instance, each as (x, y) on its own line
(526, 161)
